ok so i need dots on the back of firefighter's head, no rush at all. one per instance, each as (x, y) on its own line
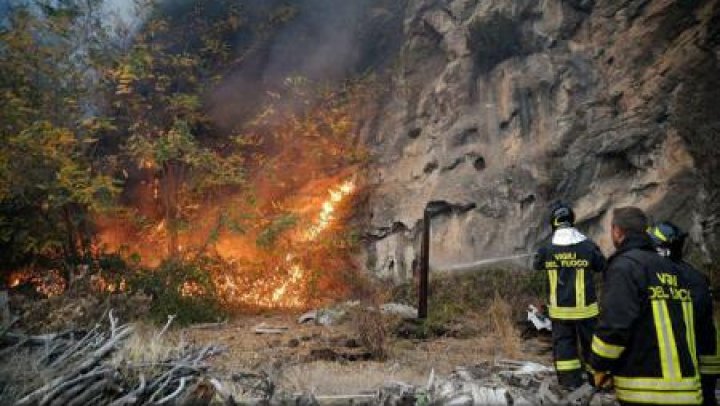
(627, 221)
(561, 216)
(669, 239)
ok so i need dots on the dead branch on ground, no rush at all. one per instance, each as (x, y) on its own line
(78, 368)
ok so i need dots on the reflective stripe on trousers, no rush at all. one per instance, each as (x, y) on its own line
(568, 365)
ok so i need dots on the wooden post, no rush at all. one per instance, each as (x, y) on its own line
(424, 267)
(433, 208)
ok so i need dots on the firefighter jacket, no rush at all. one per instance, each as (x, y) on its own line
(645, 333)
(570, 270)
(706, 333)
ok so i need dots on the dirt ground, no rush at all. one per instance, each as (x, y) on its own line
(328, 360)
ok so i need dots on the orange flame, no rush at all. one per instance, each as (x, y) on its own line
(15, 281)
(337, 195)
(191, 288)
(286, 293)
(49, 283)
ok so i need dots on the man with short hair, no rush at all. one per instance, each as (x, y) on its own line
(669, 241)
(570, 261)
(641, 338)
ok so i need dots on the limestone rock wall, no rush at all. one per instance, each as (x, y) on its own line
(499, 107)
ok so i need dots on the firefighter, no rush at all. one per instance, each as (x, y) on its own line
(669, 241)
(641, 339)
(570, 260)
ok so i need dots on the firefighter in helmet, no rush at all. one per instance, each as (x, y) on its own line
(644, 336)
(570, 260)
(669, 241)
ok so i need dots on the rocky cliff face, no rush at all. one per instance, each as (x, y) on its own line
(499, 107)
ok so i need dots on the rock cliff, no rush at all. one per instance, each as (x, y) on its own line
(499, 107)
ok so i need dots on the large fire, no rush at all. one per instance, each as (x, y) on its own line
(278, 279)
(309, 256)
(294, 245)
(284, 286)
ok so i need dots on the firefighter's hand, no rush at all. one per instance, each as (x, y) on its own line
(602, 380)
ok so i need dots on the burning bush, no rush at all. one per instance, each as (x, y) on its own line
(185, 289)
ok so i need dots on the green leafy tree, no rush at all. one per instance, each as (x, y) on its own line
(50, 179)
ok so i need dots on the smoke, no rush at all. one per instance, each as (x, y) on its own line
(121, 13)
(326, 42)
(116, 14)
(321, 43)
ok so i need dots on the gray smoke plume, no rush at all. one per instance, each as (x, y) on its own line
(321, 43)
(327, 41)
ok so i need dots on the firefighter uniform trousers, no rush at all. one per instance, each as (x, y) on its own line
(567, 336)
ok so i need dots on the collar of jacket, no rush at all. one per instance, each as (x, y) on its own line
(634, 241)
(568, 236)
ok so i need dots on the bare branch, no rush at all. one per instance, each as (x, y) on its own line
(97, 389)
(175, 394)
(123, 333)
(78, 371)
(113, 323)
(132, 397)
(167, 326)
(72, 350)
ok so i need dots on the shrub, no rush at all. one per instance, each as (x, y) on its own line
(372, 329)
(183, 289)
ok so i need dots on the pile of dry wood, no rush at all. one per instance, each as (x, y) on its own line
(85, 368)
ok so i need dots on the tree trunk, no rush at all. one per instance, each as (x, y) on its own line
(71, 251)
(171, 209)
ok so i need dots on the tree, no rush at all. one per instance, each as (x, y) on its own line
(157, 87)
(50, 181)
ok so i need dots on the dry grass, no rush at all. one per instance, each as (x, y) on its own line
(329, 378)
(504, 332)
(147, 346)
(409, 361)
(456, 302)
(373, 331)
